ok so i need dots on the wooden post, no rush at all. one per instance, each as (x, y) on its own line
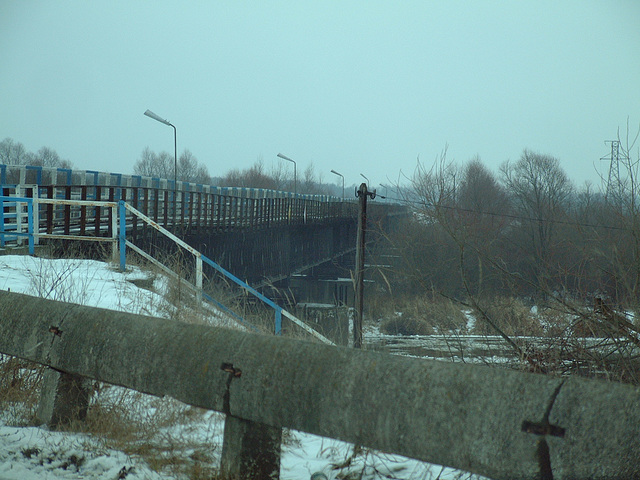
(83, 210)
(359, 276)
(67, 211)
(96, 220)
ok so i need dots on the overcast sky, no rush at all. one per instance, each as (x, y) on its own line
(358, 87)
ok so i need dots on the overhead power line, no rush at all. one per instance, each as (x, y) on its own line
(511, 216)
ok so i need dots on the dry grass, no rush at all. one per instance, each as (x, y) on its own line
(426, 315)
(19, 389)
(510, 315)
(172, 438)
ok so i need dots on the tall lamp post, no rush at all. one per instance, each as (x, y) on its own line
(340, 175)
(368, 182)
(295, 174)
(150, 114)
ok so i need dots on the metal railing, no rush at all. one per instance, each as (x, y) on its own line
(279, 312)
(12, 216)
(17, 219)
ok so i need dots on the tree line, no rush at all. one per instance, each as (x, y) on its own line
(189, 169)
(256, 176)
(163, 165)
(526, 231)
(14, 153)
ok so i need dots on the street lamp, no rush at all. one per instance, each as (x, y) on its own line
(295, 175)
(368, 182)
(150, 114)
(340, 175)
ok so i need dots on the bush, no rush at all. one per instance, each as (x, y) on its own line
(510, 315)
(19, 389)
(406, 325)
(425, 316)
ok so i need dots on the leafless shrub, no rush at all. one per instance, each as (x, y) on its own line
(166, 433)
(19, 389)
(424, 315)
(511, 315)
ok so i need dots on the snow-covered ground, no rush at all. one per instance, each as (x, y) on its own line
(195, 436)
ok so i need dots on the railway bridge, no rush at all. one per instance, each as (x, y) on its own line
(261, 236)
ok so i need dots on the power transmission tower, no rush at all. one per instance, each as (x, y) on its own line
(614, 182)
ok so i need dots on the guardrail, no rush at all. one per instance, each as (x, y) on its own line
(495, 422)
(17, 224)
(187, 204)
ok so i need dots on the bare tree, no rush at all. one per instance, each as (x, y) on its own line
(14, 153)
(189, 170)
(490, 244)
(257, 176)
(48, 157)
(145, 165)
(539, 188)
(311, 181)
(280, 177)
(252, 177)
(453, 214)
(187, 166)
(162, 165)
(482, 210)
(202, 175)
(435, 187)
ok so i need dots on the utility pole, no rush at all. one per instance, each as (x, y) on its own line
(362, 194)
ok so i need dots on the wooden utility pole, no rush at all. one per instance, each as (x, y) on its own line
(362, 194)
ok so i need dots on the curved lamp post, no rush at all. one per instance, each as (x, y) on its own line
(295, 175)
(150, 114)
(340, 175)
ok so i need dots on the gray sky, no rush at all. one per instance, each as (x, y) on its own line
(359, 87)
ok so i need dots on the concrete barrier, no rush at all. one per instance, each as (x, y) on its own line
(495, 422)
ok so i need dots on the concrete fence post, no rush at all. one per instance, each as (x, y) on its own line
(250, 450)
(63, 401)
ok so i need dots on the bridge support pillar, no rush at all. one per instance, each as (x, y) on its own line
(64, 399)
(250, 450)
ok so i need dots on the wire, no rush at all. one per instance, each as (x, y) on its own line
(511, 216)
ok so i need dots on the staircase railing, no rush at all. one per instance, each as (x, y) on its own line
(279, 312)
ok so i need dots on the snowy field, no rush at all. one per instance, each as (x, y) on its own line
(193, 435)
